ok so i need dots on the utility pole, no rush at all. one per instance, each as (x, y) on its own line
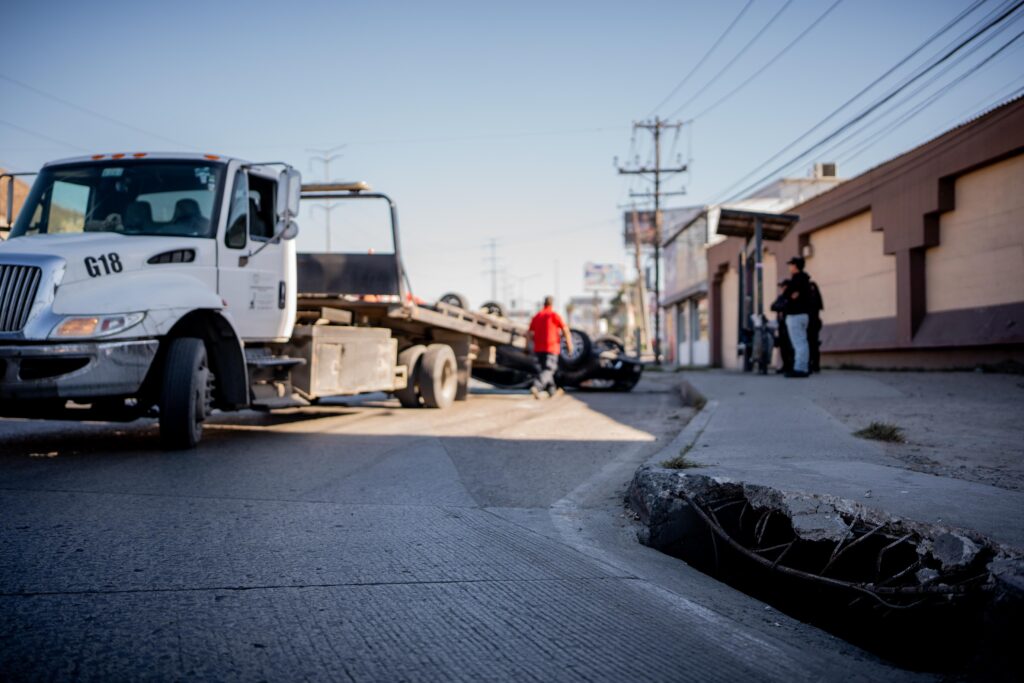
(656, 127)
(326, 156)
(492, 245)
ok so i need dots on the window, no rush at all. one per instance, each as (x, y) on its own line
(127, 197)
(261, 207)
(238, 219)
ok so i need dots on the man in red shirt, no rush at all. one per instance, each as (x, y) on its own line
(545, 330)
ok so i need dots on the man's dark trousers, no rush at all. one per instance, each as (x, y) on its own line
(545, 381)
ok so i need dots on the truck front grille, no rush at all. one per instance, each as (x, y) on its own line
(18, 285)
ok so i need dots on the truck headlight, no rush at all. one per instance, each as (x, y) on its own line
(82, 326)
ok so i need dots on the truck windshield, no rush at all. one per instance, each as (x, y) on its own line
(172, 198)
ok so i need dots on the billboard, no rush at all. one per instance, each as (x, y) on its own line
(606, 277)
(640, 223)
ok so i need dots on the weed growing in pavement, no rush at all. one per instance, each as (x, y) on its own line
(881, 431)
(681, 462)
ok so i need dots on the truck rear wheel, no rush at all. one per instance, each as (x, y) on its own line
(185, 393)
(438, 376)
(409, 397)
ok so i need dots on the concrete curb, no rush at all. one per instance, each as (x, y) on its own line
(691, 432)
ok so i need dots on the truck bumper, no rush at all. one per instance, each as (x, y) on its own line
(74, 371)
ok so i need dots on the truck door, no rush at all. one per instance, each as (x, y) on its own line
(258, 294)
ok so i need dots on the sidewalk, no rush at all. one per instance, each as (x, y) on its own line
(962, 464)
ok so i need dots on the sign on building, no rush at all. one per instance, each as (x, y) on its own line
(606, 277)
(639, 223)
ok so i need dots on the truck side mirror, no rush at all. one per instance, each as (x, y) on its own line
(289, 191)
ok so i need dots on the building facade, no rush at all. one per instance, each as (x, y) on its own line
(690, 232)
(920, 260)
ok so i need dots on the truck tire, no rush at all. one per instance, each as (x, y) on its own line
(409, 397)
(455, 299)
(185, 393)
(438, 376)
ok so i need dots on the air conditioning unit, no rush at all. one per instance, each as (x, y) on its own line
(825, 170)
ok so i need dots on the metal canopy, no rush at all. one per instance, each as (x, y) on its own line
(737, 223)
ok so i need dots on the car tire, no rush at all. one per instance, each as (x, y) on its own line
(581, 351)
(493, 308)
(411, 358)
(186, 393)
(609, 342)
(438, 376)
(455, 299)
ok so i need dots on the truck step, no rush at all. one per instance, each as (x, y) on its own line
(273, 361)
(278, 402)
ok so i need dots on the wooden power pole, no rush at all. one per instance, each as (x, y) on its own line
(655, 173)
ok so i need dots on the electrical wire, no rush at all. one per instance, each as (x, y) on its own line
(700, 63)
(91, 112)
(771, 61)
(882, 101)
(934, 97)
(834, 149)
(913, 53)
(732, 61)
(43, 136)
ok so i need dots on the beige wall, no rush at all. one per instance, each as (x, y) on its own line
(771, 282)
(857, 279)
(980, 257)
(730, 336)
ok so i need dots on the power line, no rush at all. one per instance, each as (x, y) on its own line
(913, 53)
(42, 136)
(703, 59)
(771, 61)
(833, 149)
(908, 116)
(879, 103)
(92, 112)
(732, 61)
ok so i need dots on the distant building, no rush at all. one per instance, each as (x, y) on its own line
(20, 192)
(689, 232)
(584, 313)
(920, 260)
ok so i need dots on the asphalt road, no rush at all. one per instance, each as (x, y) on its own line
(366, 542)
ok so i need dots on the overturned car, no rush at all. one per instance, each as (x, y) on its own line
(597, 365)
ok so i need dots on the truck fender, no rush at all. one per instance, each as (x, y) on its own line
(224, 350)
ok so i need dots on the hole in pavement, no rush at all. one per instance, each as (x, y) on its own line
(921, 602)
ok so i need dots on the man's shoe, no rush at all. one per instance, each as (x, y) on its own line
(556, 392)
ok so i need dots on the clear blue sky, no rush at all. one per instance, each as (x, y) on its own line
(483, 120)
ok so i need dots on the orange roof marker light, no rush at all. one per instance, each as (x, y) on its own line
(139, 155)
(117, 156)
(212, 157)
(97, 156)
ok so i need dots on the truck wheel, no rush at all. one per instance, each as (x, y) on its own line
(185, 394)
(438, 376)
(409, 397)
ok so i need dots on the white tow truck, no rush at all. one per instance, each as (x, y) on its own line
(168, 285)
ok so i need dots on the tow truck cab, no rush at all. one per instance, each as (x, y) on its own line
(135, 284)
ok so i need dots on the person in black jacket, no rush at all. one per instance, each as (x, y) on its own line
(799, 300)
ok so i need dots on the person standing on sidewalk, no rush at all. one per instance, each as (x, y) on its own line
(545, 331)
(799, 303)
